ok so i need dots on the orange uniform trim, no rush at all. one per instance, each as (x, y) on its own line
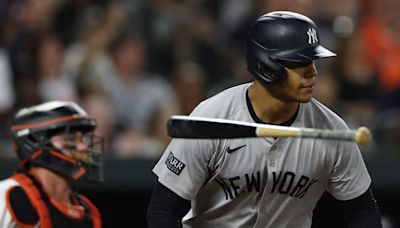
(22, 163)
(36, 199)
(96, 216)
(63, 157)
(36, 154)
(70, 160)
(47, 122)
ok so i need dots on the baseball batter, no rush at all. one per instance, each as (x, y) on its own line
(265, 182)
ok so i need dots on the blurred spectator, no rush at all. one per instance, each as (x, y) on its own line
(197, 41)
(143, 101)
(387, 130)
(327, 89)
(38, 15)
(188, 83)
(380, 29)
(100, 107)
(7, 95)
(161, 20)
(358, 83)
(303, 7)
(26, 21)
(7, 102)
(52, 84)
(88, 54)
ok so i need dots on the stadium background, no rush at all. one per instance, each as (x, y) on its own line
(133, 63)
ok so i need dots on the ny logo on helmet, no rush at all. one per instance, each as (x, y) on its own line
(312, 36)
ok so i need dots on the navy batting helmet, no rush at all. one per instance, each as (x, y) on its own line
(33, 127)
(282, 36)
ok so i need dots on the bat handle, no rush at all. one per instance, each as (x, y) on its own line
(362, 136)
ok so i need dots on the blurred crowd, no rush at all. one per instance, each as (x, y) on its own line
(134, 63)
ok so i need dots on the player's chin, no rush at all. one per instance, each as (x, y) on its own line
(305, 94)
(304, 98)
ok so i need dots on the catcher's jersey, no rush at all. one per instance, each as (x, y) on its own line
(6, 219)
(260, 182)
(49, 211)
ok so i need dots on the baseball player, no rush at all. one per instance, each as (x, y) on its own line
(265, 182)
(56, 145)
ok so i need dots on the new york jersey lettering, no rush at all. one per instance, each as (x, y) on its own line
(234, 186)
(288, 183)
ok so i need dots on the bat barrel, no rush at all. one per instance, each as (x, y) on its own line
(203, 129)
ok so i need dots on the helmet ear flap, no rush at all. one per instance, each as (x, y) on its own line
(267, 71)
(271, 70)
(262, 64)
(24, 147)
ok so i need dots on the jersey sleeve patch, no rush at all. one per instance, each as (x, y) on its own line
(174, 165)
(21, 206)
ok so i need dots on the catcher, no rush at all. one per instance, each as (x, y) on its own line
(56, 146)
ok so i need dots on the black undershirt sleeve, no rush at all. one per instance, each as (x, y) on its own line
(22, 206)
(362, 211)
(166, 208)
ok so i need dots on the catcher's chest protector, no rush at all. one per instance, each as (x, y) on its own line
(54, 214)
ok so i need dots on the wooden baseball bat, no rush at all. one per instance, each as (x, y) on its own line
(211, 128)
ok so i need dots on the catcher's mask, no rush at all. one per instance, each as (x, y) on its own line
(280, 38)
(60, 137)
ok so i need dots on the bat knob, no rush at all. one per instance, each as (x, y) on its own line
(363, 136)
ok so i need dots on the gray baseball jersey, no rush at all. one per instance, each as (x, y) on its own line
(260, 182)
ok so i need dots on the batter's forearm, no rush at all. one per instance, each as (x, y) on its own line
(363, 212)
(166, 208)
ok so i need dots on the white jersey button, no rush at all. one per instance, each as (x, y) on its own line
(273, 148)
(272, 163)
